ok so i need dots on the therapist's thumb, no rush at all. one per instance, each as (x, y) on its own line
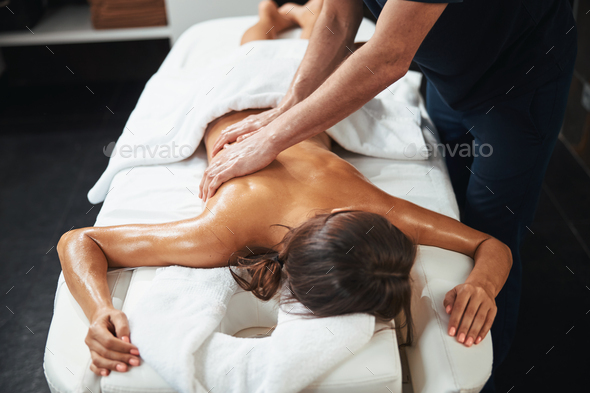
(449, 300)
(121, 324)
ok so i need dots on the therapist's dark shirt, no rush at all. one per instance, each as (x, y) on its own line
(480, 52)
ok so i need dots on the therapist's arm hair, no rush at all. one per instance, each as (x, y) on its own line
(331, 41)
(386, 57)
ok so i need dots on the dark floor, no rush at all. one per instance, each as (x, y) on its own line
(51, 141)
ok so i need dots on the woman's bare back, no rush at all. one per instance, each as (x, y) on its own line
(303, 179)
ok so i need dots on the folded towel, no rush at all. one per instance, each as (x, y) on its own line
(175, 108)
(173, 327)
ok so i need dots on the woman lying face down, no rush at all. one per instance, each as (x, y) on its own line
(309, 221)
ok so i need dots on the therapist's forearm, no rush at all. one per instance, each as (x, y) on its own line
(330, 42)
(360, 78)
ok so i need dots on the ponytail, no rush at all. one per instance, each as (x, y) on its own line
(265, 271)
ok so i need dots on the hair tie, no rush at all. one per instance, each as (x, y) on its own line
(277, 259)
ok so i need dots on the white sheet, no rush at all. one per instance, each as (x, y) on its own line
(177, 104)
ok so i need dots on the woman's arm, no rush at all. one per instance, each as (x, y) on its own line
(87, 253)
(471, 305)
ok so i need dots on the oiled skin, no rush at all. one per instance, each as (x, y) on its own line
(304, 179)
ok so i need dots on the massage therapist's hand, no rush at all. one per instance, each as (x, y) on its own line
(473, 309)
(239, 159)
(109, 344)
(245, 128)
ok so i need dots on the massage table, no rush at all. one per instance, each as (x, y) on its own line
(435, 362)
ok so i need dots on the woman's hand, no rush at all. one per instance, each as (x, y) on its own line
(239, 159)
(473, 309)
(109, 344)
(245, 128)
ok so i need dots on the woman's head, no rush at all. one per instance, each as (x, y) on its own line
(339, 263)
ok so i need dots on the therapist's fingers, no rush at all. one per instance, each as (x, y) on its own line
(242, 137)
(231, 134)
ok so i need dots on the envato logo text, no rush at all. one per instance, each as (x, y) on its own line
(146, 151)
(442, 150)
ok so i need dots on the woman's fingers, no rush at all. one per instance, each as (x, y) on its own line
(458, 309)
(487, 325)
(450, 300)
(103, 372)
(101, 362)
(467, 320)
(103, 336)
(472, 313)
(106, 353)
(478, 321)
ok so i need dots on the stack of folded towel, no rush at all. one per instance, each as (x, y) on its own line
(114, 14)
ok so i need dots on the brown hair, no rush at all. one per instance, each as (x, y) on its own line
(339, 263)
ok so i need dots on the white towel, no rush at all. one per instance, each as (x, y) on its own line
(173, 328)
(175, 108)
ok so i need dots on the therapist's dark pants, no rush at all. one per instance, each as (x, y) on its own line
(498, 189)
